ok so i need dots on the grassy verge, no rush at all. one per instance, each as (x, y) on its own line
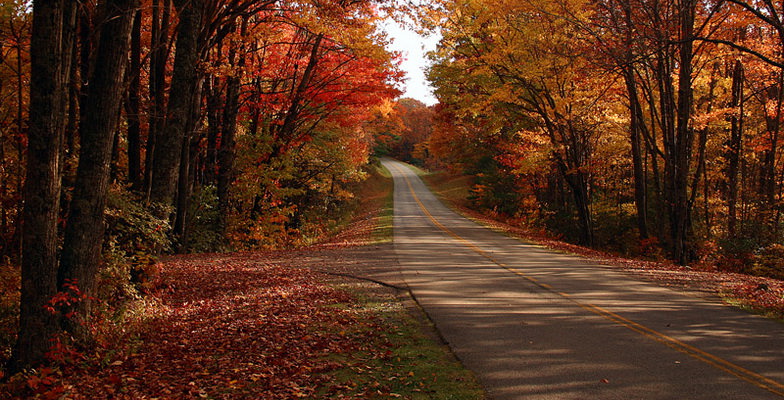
(403, 358)
(381, 182)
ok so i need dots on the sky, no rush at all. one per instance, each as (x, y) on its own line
(413, 48)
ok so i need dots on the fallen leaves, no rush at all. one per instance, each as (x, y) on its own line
(236, 326)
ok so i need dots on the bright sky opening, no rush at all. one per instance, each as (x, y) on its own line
(413, 47)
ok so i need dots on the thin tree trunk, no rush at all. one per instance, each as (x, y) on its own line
(680, 205)
(226, 153)
(636, 122)
(734, 147)
(159, 54)
(184, 182)
(133, 109)
(213, 129)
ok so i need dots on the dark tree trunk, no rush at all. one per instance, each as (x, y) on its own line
(85, 52)
(734, 147)
(184, 182)
(51, 50)
(678, 179)
(226, 153)
(213, 129)
(84, 230)
(133, 109)
(159, 54)
(74, 95)
(637, 125)
(168, 146)
(578, 183)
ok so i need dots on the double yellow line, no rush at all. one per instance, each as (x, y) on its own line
(715, 361)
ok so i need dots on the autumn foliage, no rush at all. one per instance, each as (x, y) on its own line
(646, 127)
(134, 128)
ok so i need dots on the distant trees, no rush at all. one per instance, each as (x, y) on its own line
(402, 129)
(200, 123)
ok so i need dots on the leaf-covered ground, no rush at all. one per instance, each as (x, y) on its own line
(757, 294)
(268, 325)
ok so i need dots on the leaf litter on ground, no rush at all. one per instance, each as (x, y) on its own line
(286, 324)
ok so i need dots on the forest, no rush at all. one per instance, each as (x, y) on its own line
(649, 128)
(133, 129)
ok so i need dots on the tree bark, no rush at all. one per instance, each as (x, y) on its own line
(678, 179)
(50, 60)
(159, 54)
(133, 109)
(226, 152)
(185, 181)
(168, 146)
(636, 125)
(85, 228)
(734, 147)
(213, 129)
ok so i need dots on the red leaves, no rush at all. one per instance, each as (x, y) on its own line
(236, 326)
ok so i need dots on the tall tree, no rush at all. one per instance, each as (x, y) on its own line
(51, 45)
(84, 230)
(185, 79)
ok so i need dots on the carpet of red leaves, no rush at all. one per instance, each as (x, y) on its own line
(229, 326)
(265, 325)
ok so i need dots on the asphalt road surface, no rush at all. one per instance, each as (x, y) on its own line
(535, 324)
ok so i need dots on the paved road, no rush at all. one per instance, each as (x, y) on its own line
(534, 324)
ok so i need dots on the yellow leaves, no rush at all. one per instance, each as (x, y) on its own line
(717, 118)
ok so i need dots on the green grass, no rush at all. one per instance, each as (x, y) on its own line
(417, 170)
(383, 232)
(453, 189)
(413, 364)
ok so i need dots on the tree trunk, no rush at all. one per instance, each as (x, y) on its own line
(159, 54)
(226, 153)
(734, 147)
(166, 162)
(636, 125)
(578, 183)
(85, 228)
(680, 206)
(213, 129)
(185, 181)
(50, 59)
(133, 109)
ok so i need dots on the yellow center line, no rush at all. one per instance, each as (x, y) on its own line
(710, 359)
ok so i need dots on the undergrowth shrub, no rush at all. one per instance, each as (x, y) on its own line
(10, 285)
(204, 230)
(134, 238)
(615, 229)
(737, 253)
(769, 261)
